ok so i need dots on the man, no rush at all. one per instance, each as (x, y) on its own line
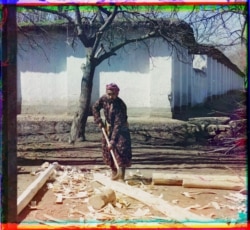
(116, 126)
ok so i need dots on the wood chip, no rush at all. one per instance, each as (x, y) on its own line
(53, 218)
(215, 205)
(199, 207)
(195, 206)
(82, 194)
(231, 198)
(118, 205)
(212, 215)
(109, 209)
(141, 212)
(59, 199)
(175, 201)
(73, 211)
(209, 205)
(187, 194)
(46, 223)
(33, 207)
(45, 165)
(238, 195)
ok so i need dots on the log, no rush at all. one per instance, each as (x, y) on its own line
(212, 184)
(165, 179)
(175, 212)
(177, 179)
(98, 201)
(33, 188)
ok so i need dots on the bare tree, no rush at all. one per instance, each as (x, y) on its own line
(103, 30)
(238, 55)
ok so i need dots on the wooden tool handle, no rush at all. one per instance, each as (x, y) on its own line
(111, 151)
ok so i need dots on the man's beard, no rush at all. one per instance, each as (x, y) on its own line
(111, 100)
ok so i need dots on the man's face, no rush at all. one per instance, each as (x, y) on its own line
(111, 95)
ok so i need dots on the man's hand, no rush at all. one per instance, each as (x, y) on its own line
(110, 147)
(101, 125)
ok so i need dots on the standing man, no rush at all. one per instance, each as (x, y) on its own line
(116, 126)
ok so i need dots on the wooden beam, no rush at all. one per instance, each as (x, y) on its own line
(172, 211)
(33, 188)
(212, 184)
(177, 179)
(165, 179)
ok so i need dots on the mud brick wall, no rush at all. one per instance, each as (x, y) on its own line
(169, 132)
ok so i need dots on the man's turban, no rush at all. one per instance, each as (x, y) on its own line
(113, 87)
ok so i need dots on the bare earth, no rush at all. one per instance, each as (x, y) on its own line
(84, 159)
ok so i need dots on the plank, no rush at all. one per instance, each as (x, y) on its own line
(24, 199)
(174, 212)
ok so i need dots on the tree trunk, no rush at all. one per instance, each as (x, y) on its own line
(81, 116)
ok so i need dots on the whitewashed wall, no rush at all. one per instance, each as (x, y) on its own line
(160, 85)
(155, 84)
(182, 89)
(42, 71)
(145, 81)
(221, 79)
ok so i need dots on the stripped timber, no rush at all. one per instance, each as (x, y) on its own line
(24, 199)
(212, 184)
(177, 179)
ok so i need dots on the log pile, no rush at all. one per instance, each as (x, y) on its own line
(234, 137)
(229, 133)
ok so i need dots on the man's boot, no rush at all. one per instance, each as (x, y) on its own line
(115, 175)
(122, 174)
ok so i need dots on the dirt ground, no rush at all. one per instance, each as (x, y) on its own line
(84, 159)
(80, 162)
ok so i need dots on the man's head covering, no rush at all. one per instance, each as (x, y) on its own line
(113, 87)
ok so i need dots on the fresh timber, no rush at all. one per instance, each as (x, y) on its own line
(24, 199)
(165, 179)
(174, 212)
(98, 201)
(212, 184)
(177, 179)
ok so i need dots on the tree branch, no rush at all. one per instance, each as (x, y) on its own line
(109, 20)
(61, 14)
(102, 29)
(87, 41)
(122, 44)
(105, 11)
